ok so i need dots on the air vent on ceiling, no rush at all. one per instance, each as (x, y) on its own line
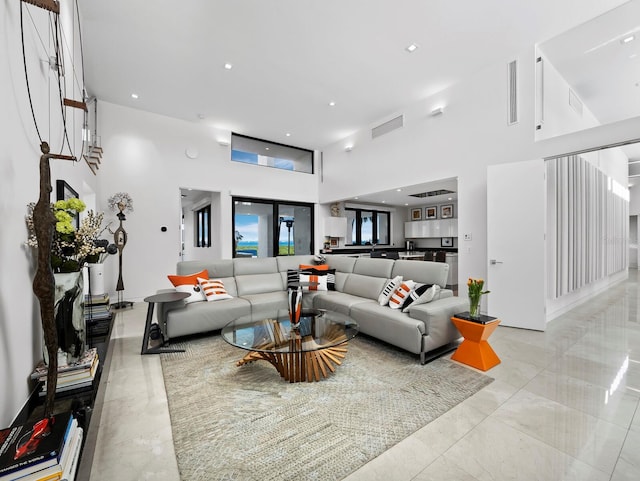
(512, 71)
(387, 127)
(575, 102)
(432, 193)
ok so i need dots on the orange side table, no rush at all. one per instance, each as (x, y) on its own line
(475, 351)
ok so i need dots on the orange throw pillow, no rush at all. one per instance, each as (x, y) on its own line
(320, 267)
(190, 280)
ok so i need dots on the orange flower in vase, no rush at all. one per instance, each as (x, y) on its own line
(474, 288)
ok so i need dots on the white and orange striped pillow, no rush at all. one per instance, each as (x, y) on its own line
(213, 289)
(401, 294)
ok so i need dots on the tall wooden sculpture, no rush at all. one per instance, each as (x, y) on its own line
(43, 283)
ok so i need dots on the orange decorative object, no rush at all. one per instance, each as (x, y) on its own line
(475, 351)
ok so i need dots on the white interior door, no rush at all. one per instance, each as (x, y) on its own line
(515, 243)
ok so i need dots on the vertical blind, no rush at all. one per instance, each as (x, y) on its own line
(587, 224)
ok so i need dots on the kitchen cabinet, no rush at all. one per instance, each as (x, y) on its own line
(431, 228)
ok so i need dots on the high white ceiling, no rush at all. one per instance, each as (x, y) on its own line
(292, 57)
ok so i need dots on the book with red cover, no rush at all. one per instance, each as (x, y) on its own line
(33, 446)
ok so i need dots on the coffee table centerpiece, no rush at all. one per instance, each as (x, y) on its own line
(308, 353)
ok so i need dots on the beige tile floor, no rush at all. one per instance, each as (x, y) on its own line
(563, 406)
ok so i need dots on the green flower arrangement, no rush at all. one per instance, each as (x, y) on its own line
(71, 247)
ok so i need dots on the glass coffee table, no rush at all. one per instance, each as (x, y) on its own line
(309, 353)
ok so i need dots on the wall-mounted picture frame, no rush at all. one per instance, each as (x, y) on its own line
(334, 242)
(431, 212)
(446, 242)
(416, 214)
(65, 192)
(446, 211)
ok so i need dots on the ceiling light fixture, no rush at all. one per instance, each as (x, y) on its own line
(627, 39)
(228, 66)
(332, 104)
(348, 148)
(134, 96)
(411, 48)
(223, 142)
(437, 111)
(288, 134)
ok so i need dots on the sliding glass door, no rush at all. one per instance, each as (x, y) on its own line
(267, 228)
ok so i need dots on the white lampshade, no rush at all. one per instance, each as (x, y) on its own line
(335, 226)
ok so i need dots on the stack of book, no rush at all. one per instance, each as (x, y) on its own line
(97, 307)
(74, 375)
(45, 450)
(97, 314)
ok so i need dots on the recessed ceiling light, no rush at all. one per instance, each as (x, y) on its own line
(266, 148)
(288, 134)
(406, 203)
(450, 198)
(332, 104)
(628, 38)
(411, 48)
(398, 190)
(355, 198)
(384, 201)
(134, 96)
(228, 66)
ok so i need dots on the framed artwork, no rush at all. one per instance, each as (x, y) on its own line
(65, 192)
(446, 241)
(416, 214)
(334, 242)
(446, 211)
(431, 212)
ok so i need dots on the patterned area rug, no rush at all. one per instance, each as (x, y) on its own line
(246, 423)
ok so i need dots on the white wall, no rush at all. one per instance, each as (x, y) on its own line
(20, 329)
(559, 117)
(471, 135)
(634, 202)
(144, 155)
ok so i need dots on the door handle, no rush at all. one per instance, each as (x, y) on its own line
(493, 262)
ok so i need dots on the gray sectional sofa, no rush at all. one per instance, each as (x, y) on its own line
(260, 285)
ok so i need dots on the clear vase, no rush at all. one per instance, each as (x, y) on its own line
(69, 316)
(474, 307)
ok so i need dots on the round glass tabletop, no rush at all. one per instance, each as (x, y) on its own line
(319, 329)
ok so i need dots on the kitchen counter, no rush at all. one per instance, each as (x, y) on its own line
(413, 255)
